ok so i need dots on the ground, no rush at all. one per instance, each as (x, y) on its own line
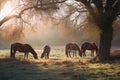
(58, 67)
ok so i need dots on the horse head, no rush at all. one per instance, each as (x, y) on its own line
(32, 51)
(35, 56)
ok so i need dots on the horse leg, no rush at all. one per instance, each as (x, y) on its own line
(42, 55)
(74, 54)
(48, 55)
(69, 54)
(66, 53)
(92, 53)
(45, 55)
(27, 55)
(12, 52)
(84, 54)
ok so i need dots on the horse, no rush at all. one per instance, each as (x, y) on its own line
(24, 48)
(72, 47)
(89, 46)
(46, 52)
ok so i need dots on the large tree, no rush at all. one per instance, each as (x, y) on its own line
(104, 13)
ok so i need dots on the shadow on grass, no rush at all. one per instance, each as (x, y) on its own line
(16, 69)
(13, 69)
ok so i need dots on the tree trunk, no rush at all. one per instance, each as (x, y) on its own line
(105, 41)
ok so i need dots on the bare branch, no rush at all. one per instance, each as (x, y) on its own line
(99, 5)
(7, 18)
(116, 7)
(45, 4)
(109, 4)
(87, 4)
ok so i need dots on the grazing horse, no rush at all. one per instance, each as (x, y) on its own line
(89, 46)
(46, 52)
(72, 47)
(24, 48)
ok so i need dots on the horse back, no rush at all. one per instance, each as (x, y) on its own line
(29, 48)
(18, 47)
(72, 46)
(89, 46)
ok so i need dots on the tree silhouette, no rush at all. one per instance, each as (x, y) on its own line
(107, 12)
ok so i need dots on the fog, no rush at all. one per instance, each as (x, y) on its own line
(116, 33)
(47, 32)
(39, 28)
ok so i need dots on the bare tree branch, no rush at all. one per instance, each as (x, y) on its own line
(38, 6)
(116, 7)
(99, 5)
(87, 4)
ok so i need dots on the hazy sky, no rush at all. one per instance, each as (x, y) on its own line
(42, 30)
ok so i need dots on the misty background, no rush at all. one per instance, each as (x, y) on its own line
(38, 28)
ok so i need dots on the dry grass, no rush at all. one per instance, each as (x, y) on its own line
(58, 67)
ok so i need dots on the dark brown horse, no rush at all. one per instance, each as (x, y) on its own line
(89, 46)
(72, 47)
(24, 48)
(46, 52)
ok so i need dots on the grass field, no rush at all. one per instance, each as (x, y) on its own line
(58, 67)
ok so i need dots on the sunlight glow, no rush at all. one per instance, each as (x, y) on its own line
(7, 10)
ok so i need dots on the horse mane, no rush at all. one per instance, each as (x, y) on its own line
(30, 48)
(32, 51)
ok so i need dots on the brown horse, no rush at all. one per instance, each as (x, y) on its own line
(25, 48)
(89, 46)
(46, 52)
(72, 47)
